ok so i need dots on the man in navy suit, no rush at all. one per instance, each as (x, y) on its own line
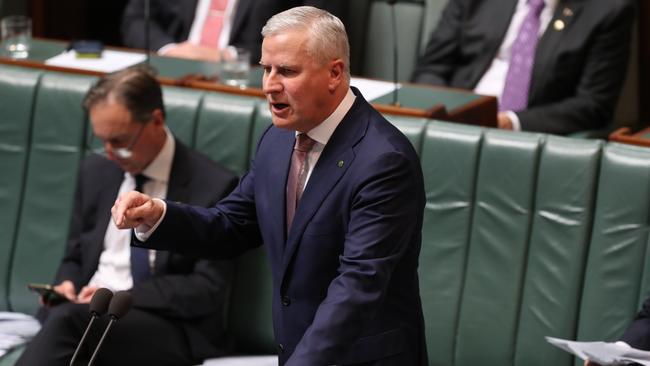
(344, 269)
(579, 64)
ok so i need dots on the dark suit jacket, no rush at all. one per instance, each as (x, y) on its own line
(185, 289)
(171, 21)
(345, 277)
(578, 71)
(637, 333)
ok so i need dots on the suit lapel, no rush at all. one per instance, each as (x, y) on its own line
(563, 18)
(334, 161)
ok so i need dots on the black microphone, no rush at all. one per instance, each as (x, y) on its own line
(120, 305)
(395, 50)
(98, 307)
(146, 30)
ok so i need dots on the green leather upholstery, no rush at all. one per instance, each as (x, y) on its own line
(250, 321)
(378, 47)
(54, 155)
(559, 239)
(616, 275)
(224, 129)
(450, 155)
(17, 91)
(524, 235)
(181, 109)
(260, 124)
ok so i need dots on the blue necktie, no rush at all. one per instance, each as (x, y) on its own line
(139, 256)
(515, 91)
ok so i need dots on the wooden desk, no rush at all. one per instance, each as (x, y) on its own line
(414, 100)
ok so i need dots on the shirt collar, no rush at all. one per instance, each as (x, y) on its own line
(325, 129)
(161, 166)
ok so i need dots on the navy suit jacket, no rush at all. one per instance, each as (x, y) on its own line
(345, 277)
(637, 333)
(171, 21)
(187, 289)
(578, 72)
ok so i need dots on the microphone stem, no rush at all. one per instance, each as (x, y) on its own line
(146, 30)
(395, 53)
(83, 339)
(99, 345)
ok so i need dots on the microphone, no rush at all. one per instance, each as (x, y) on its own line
(120, 305)
(146, 30)
(98, 307)
(395, 50)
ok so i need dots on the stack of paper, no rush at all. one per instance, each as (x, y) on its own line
(16, 329)
(604, 353)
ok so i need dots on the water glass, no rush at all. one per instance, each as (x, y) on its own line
(235, 66)
(16, 32)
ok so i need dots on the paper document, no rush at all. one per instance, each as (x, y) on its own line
(15, 330)
(604, 353)
(373, 89)
(109, 62)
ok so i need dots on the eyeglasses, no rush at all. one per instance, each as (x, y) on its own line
(120, 152)
(127, 152)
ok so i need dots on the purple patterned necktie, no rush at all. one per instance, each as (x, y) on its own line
(297, 174)
(522, 57)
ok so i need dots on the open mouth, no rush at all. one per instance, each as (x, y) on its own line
(279, 107)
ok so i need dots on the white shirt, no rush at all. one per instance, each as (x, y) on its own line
(200, 15)
(114, 269)
(321, 134)
(494, 79)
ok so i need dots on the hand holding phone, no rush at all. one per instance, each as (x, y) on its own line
(50, 296)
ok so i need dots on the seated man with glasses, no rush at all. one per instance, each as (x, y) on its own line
(178, 300)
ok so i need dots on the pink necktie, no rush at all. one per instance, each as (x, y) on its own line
(213, 23)
(515, 91)
(297, 174)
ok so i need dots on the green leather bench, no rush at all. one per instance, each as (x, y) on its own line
(525, 235)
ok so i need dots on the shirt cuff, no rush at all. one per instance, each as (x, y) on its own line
(143, 232)
(516, 124)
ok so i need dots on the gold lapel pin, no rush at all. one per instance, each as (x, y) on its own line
(340, 163)
(558, 25)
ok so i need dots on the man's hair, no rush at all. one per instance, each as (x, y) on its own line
(136, 88)
(327, 37)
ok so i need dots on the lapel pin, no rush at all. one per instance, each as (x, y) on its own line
(567, 12)
(340, 163)
(558, 25)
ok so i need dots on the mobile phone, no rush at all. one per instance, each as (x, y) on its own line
(47, 292)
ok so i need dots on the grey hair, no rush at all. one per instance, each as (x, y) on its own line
(327, 37)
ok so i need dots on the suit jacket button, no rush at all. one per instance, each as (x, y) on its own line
(280, 348)
(286, 301)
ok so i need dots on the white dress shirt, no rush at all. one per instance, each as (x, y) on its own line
(494, 79)
(114, 269)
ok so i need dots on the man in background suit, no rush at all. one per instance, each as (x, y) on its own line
(335, 194)
(175, 25)
(579, 65)
(178, 301)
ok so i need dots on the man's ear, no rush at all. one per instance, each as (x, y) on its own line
(337, 73)
(157, 117)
